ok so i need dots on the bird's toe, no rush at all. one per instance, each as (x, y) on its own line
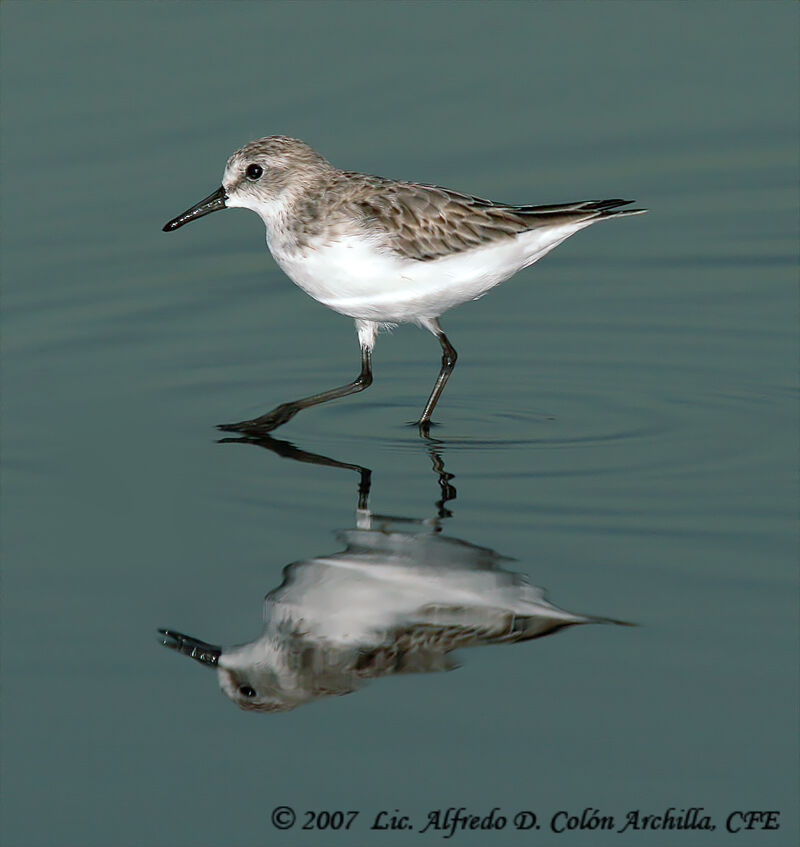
(265, 423)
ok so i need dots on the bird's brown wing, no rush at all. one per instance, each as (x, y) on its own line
(425, 222)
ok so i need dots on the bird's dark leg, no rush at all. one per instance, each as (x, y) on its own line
(449, 357)
(286, 411)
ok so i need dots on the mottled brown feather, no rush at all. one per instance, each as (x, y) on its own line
(424, 222)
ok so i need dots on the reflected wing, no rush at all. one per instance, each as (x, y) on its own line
(423, 647)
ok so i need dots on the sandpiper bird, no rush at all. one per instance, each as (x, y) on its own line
(383, 251)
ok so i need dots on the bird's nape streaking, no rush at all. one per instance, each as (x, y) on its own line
(383, 251)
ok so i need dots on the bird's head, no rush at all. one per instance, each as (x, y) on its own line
(260, 176)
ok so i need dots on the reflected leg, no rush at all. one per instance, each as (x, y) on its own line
(449, 357)
(289, 451)
(286, 411)
(448, 490)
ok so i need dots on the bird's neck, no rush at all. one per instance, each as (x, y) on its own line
(294, 217)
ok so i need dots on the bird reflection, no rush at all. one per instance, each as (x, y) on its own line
(399, 598)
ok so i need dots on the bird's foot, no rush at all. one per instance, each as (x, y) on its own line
(265, 423)
(424, 427)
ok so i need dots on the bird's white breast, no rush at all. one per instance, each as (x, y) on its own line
(355, 276)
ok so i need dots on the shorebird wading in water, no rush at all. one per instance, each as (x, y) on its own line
(383, 251)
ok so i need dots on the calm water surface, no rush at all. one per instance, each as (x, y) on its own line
(621, 423)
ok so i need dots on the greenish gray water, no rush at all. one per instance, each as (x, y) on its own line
(622, 420)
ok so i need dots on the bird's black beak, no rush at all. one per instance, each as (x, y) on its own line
(213, 203)
(206, 654)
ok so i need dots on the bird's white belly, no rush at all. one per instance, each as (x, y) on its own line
(356, 278)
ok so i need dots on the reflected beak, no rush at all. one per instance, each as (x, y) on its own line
(207, 654)
(213, 203)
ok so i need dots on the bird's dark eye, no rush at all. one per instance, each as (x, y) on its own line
(247, 691)
(254, 172)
